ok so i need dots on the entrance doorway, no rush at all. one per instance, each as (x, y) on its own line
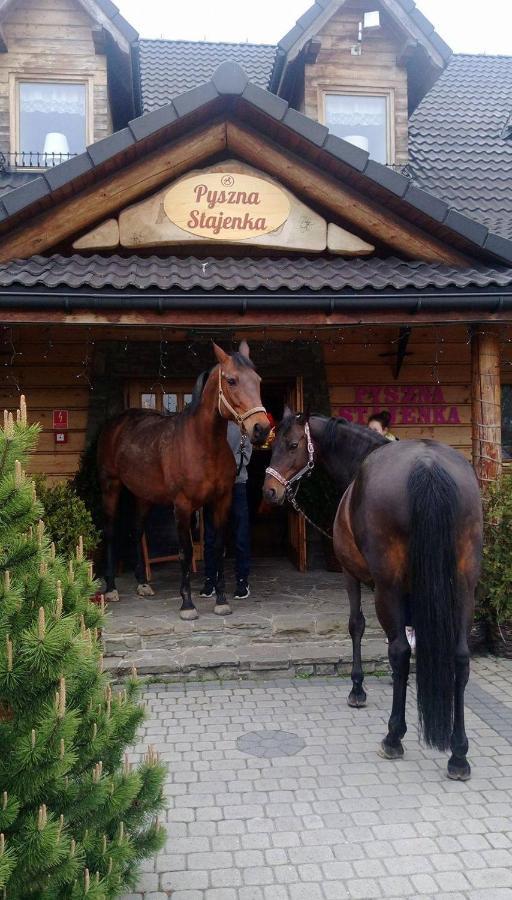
(276, 531)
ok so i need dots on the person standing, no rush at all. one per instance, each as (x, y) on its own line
(380, 422)
(239, 520)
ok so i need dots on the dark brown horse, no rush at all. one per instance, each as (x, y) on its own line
(410, 524)
(184, 461)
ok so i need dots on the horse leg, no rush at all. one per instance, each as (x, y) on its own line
(221, 511)
(110, 491)
(391, 610)
(458, 766)
(183, 518)
(143, 588)
(357, 696)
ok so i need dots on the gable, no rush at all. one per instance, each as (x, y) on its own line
(228, 203)
(231, 118)
(422, 50)
(62, 24)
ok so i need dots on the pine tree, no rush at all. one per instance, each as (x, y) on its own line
(75, 817)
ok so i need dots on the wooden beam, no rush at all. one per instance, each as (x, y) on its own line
(234, 319)
(382, 224)
(486, 402)
(113, 193)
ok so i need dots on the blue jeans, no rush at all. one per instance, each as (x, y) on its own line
(239, 520)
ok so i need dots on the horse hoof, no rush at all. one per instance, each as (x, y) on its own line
(357, 701)
(112, 597)
(145, 590)
(459, 771)
(223, 609)
(388, 752)
(189, 614)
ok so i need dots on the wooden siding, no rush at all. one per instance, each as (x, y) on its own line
(378, 67)
(53, 366)
(51, 38)
(50, 367)
(431, 397)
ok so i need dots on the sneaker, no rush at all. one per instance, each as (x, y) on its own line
(411, 636)
(208, 589)
(242, 590)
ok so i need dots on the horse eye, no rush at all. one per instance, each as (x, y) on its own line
(293, 446)
(231, 381)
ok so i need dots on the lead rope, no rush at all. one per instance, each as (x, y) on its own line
(291, 498)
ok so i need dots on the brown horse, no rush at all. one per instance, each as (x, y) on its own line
(410, 524)
(184, 461)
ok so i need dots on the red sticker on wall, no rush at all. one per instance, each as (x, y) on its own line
(60, 418)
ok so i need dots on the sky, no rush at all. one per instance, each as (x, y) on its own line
(468, 27)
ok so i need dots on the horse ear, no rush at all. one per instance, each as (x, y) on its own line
(287, 412)
(244, 349)
(221, 356)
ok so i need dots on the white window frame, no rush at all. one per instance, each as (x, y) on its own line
(16, 79)
(367, 90)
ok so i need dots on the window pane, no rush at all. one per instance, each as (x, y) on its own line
(52, 121)
(506, 420)
(187, 399)
(148, 401)
(360, 120)
(170, 404)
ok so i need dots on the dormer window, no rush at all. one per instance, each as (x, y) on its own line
(51, 121)
(362, 119)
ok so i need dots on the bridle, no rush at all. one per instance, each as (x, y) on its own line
(239, 419)
(291, 486)
(306, 470)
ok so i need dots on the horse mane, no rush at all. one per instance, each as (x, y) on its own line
(358, 440)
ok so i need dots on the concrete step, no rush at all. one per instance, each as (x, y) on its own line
(247, 660)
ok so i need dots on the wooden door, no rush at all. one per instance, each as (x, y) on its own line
(296, 524)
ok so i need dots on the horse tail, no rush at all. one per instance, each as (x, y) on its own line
(433, 584)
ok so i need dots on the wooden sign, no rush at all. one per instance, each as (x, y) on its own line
(226, 206)
(60, 419)
(408, 404)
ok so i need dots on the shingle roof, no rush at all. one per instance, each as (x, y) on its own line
(168, 68)
(230, 81)
(458, 147)
(284, 274)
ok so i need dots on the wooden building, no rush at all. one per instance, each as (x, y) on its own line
(343, 200)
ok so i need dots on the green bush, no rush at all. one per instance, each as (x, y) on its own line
(66, 517)
(496, 584)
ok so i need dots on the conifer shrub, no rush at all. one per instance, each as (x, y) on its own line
(76, 818)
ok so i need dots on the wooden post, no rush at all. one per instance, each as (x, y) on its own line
(486, 402)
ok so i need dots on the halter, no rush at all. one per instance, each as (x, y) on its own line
(305, 471)
(239, 419)
(290, 492)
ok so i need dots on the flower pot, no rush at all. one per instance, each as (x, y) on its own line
(478, 636)
(501, 639)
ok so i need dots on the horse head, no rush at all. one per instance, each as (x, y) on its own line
(239, 392)
(291, 456)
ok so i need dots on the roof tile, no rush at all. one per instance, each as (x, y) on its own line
(281, 274)
(168, 68)
(456, 143)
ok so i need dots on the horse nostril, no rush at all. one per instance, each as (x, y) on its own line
(270, 493)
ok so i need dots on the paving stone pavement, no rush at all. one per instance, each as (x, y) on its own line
(322, 817)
